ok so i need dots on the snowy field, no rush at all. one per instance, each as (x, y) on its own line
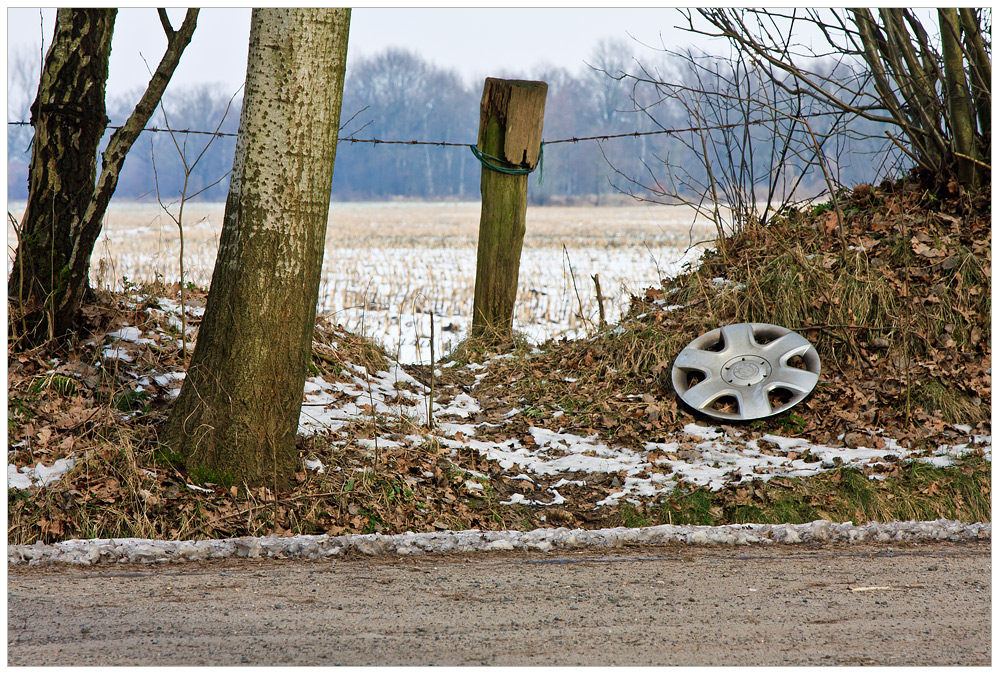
(388, 264)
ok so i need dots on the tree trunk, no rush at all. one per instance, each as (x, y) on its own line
(236, 418)
(65, 209)
(958, 99)
(69, 118)
(980, 68)
(510, 131)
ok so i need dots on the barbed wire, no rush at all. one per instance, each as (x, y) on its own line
(573, 139)
(156, 129)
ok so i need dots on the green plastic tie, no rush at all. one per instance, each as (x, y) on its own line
(485, 160)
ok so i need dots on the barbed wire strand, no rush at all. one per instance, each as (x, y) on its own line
(379, 141)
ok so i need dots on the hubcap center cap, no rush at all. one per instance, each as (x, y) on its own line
(746, 371)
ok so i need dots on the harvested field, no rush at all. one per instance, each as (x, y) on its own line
(388, 264)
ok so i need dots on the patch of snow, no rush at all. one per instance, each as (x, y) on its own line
(315, 465)
(452, 429)
(371, 443)
(130, 334)
(110, 551)
(786, 444)
(563, 481)
(116, 353)
(39, 475)
(166, 379)
(315, 384)
(462, 405)
(392, 392)
(708, 433)
(199, 488)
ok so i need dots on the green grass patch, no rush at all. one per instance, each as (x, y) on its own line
(911, 491)
(62, 385)
(200, 475)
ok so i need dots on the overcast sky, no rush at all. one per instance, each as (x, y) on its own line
(474, 42)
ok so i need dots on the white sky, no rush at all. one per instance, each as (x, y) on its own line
(474, 42)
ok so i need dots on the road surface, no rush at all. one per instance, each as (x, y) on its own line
(922, 605)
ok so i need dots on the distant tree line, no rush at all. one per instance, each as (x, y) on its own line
(397, 95)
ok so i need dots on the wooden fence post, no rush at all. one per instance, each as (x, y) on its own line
(510, 136)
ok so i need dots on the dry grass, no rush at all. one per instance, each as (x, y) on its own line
(332, 348)
(903, 332)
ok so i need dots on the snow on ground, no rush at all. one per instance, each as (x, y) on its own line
(553, 285)
(23, 478)
(96, 551)
(331, 405)
(701, 455)
(709, 456)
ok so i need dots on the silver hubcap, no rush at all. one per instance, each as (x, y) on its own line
(746, 371)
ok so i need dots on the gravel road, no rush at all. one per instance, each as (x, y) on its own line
(925, 604)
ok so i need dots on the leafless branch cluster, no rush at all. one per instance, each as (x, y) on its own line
(777, 117)
(754, 143)
(934, 89)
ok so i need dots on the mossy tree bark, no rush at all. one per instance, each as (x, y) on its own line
(237, 415)
(66, 199)
(510, 130)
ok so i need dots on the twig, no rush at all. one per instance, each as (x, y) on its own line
(572, 275)
(430, 401)
(600, 300)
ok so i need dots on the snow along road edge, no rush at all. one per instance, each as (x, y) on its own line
(96, 551)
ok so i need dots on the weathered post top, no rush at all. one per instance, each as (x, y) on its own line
(517, 107)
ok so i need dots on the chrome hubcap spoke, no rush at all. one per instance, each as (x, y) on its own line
(800, 381)
(754, 404)
(739, 338)
(785, 347)
(704, 393)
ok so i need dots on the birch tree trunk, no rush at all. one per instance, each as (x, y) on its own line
(236, 418)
